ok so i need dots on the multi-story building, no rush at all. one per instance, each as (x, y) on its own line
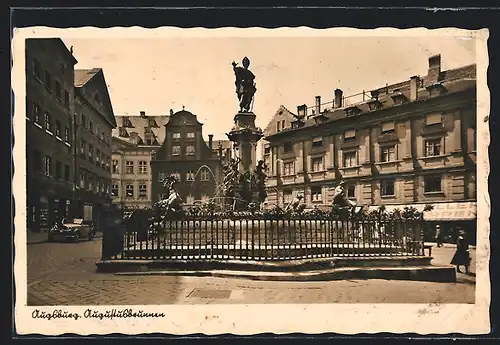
(94, 121)
(134, 141)
(413, 142)
(49, 143)
(185, 154)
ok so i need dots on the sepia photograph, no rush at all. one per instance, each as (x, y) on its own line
(162, 168)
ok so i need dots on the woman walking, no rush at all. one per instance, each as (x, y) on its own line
(461, 257)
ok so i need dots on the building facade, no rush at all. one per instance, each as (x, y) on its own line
(412, 143)
(49, 138)
(94, 121)
(185, 154)
(134, 141)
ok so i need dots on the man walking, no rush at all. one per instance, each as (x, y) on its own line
(439, 237)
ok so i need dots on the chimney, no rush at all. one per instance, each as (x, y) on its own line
(318, 105)
(143, 114)
(210, 140)
(171, 112)
(434, 68)
(338, 98)
(414, 86)
(302, 110)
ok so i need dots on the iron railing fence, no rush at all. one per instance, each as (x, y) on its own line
(204, 238)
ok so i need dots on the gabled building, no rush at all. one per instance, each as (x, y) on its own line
(94, 121)
(49, 133)
(134, 142)
(410, 143)
(193, 161)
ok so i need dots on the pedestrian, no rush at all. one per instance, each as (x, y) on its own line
(439, 236)
(462, 256)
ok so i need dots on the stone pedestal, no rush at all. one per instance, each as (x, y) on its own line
(245, 136)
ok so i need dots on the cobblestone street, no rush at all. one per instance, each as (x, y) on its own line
(64, 274)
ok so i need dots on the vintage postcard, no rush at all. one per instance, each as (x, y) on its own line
(248, 181)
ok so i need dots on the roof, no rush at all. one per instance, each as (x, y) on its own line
(129, 124)
(455, 80)
(82, 76)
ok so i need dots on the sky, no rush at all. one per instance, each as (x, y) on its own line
(158, 74)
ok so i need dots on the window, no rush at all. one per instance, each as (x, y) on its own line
(432, 184)
(149, 137)
(66, 98)
(388, 127)
(58, 129)
(143, 189)
(349, 159)
(36, 114)
(84, 121)
(351, 192)
(316, 194)
(190, 135)
(48, 122)
(143, 168)
(129, 167)
(176, 150)
(91, 183)
(190, 150)
(66, 172)
(115, 167)
(58, 91)
(387, 188)
(190, 200)
(102, 137)
(114, 190)
(107, 163)
(433, 147)
(289, 168)
(152, 123)
(177, 175)
(350, 135)
(176, 135)
(82, 148)
(123, 132)
(66, 135)
(317, 142)
(267, 149)
(91, 126)
(37, 71)
(82, 179)
(98, 156)
(388, 153)
(282, 124)
(48, 166)
(37, 161)
(317, 164)
(204, 175)
(58, 170)
(433, 119)
(190, 176)
(287, 197)
(288, 147)
(278, 126)
(48, 81)
(91, 153)
(129, 190)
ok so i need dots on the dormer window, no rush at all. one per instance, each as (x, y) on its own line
(352, 110)
(350, 135)
(374, 104)
(123, 133)
(152, 123)
(398, 97)
(436, 89)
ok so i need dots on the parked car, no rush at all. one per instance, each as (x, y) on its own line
(76, 230)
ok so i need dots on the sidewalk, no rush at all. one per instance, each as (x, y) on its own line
(36, 237)
(446, 245)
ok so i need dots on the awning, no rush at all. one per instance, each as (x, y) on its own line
(445, 211)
